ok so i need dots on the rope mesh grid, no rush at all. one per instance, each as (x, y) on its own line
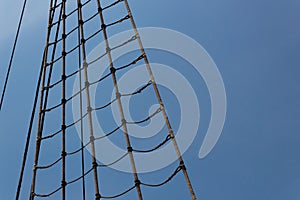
(65, 57)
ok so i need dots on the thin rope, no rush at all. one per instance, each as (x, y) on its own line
(63, 102)
(178, 169)
(40, 118)
(94, 161)
(47, 85)
(81, 111)
(118, 96)
(13, 53)
(179, 155)
(29, 132)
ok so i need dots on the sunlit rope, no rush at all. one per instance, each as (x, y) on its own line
(47, 84)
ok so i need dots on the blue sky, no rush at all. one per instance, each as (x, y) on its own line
(255, 45)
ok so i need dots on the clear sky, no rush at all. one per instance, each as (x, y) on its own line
(255, 45)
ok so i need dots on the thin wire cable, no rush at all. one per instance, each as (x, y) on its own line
(13, 53)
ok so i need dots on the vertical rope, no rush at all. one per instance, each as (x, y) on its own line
(118, 96)
(63, 100)
(171, 133)
(39, 132)
(81, 113)
(29, 132)
(44, 98)
(87, 85)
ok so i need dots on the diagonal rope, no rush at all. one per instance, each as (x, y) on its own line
(29, 132)
(43, 102)
(118, 96)
(158, 96)
(13, 53)
(46, 70)
(94, 161)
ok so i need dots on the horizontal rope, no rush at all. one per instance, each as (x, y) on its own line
(81, 177)
(118, 21)
(76, 9)
(48, 195)
(84, 175)
(117, 69)
(147, 118)
(59, 81)
(89, 37)
(138, 91)
(67, 126)
(118, 195)
(132, 63)
(178, 169)
(82, 5)
(55, 6)
(113, 48)
(69, 14)
(168, 138)
(106, 105)
(111, 5)
(133, 38)
(95, 139)
(112, 163)
(101, 79)
(97, 59)
(50, 165)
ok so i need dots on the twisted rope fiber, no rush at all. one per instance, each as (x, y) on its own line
(42, 100)
(48, 86)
